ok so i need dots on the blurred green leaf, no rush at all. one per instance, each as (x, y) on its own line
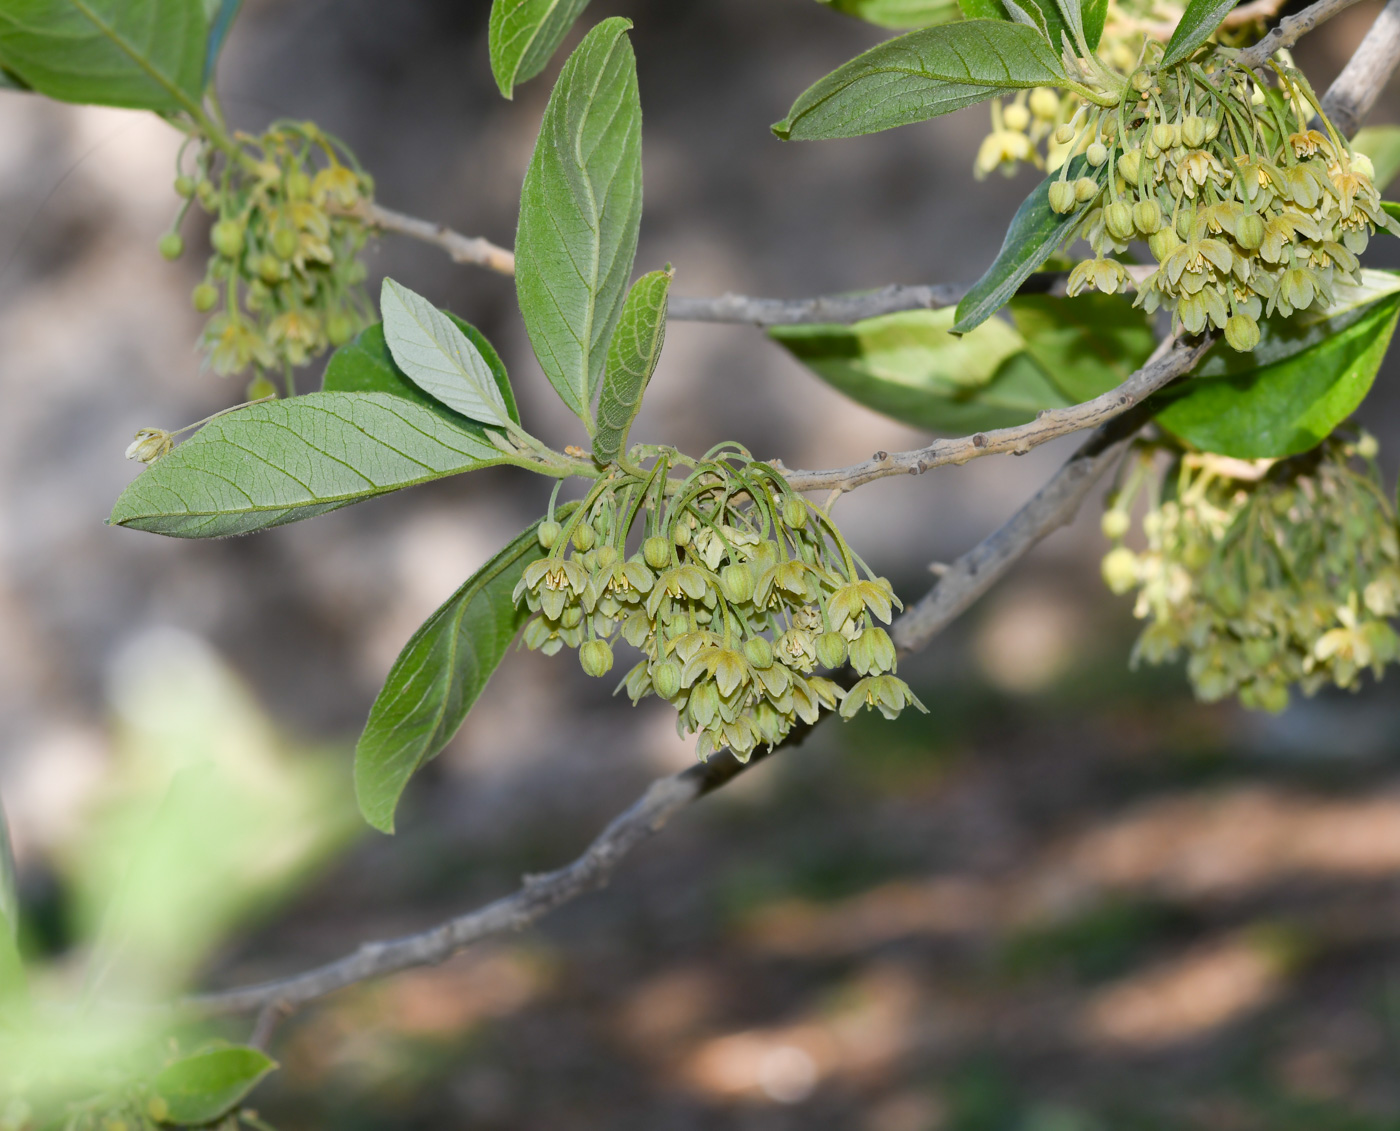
(1035, 232)
(580, 214)
(437, 357)
(1289, 406)
(1197, 24)
(437, 677)
(221, 14)
(632, 356)
(909, 367)
(524, 36)
(365, 365)
(899, 15)
(1382, 145)
(1088, 344)
(141, 54)
(12, 979)
(921, 75)
(1095, 13)
(983, 10)
(284, 461)
(11, 81)
(208, 1085)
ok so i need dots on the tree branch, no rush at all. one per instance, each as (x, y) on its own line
(1173, 361)
(967, 579)
(1290, 29)
(462, 249)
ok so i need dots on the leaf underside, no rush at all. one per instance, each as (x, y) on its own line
(580, 214)
(921, 75)
(139, 54)
(524, 35)
(632, 356)
(279, 462)
(437, 677)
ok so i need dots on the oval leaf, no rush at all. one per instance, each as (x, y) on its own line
(365, 365)
(208, 1085)
(580, 213)
(1197, 24)
(1035, 232)
(899, 15)
(1291, 405)
(632, 356)
(921, 75)
(438, 357)
(283, 461)
(437, 678)
(1088, 344)
(141, 54)
(909, 367)
(524, 36)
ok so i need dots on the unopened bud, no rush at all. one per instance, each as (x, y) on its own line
(340, 328)
(1118, 219)
(1096, 154)
(1242, 332)
(1185, 221)
(149, 445)
(794, 512)
(657, 551)
(1085, 189)
(1141, 81)
(1064, 134)
(1130, 165)
(1120, 570)
(831, 650)
(172, 245)
(584, 537)
(596, 657)
(606, 556)
(1062, 196)
(1016, 117)
(1163, 135)
(548, 534)
(759, 652)
(298, 186)
(284, 243)
(269, 268)
(1193, 131)
(1163, 242)
(1249, 231)
(737, 580)
(666, 678)
(227, 238)
(682, 535)
(1114, 524)
(1044, 103)
(1147, 216)
(184, 186)
(205, 297)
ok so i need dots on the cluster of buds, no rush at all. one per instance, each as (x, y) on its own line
(738, 591)
(1247, 210)
(1267, 575)
(285, 280)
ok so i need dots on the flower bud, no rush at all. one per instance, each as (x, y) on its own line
(1045, 103)
(1249, 231)
(1120, 570)
(1212, 128)
(1062, 196)
(149, 445)
(1141, 81)
(184, 186)
(172, 246)
(1163, 135)
(794, 512)
(831, 650)
(1114, 524)
(298, 186)
(657, 551)
(758, 650)
(1367, 446)
(284, 243)
(682, 535)
(596, 657)
(548, 533)
(1362, 166)
(1193, 131)
(1147, 216)
(1130, 165)
(606, 556)
(1185, 220)
(584, 537)
(666, 678)
(1096, 154)
(260, 388)
(1064, 134)
(207, 195)
(205, 297)
(737, 580)
(1085, 189)
(1242, 332)
(1118, 219)
(340, 328)
(1163, 242)
(227, 238)
(1016, 117)
(269, 268)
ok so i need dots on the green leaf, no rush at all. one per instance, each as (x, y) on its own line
(580, 213)
(437, 677)
(1043, 15)
(524, 36)
(206, 1086)
(921, 75)
(1095, 13)
(899, 15)
(282, 461)
(1088, 344)
(11, 81)
(1197, 24)
(141, 54)
(1036, 231)
(221, 14)
(983, 10)
(438, 357)
(909, 367)
(632, 356)
(1382, 145)
(365, 365)
(1288, 406)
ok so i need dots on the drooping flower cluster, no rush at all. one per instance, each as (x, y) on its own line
(1247, 209)
(1267, 575)
(738, 592)
(285, 280)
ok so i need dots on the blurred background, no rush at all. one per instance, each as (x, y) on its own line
(1068, 899)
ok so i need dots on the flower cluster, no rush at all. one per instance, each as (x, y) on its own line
(285, 280)
(739, 590)
(1247, 210)
(1266, 574)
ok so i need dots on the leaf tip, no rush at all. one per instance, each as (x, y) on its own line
(782, 130)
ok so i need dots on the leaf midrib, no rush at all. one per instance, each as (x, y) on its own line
(179, 95)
